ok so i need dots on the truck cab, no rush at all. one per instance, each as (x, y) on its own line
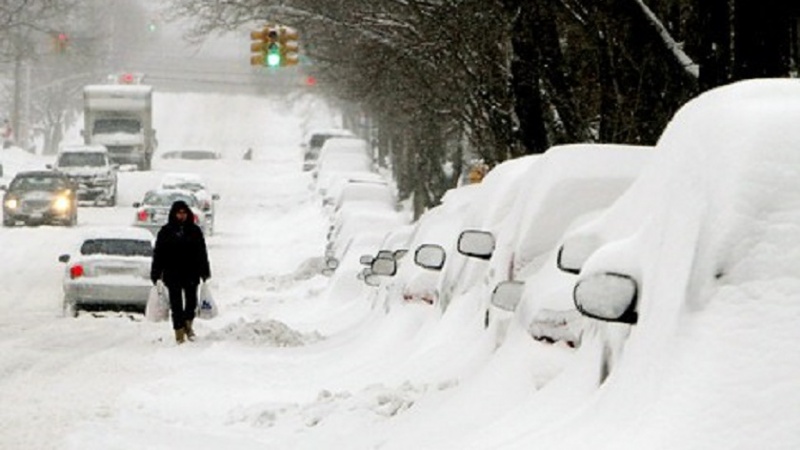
(120, 118)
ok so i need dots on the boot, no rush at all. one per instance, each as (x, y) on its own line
(189, 331)
(180, 335)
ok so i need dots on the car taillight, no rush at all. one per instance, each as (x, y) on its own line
(76, 271)
(142, 215)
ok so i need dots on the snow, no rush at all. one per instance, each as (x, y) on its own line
(298, 360)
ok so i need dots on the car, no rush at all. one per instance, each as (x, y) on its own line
(193, 155)
(195, 184)
(315, 141)
(40, 197)
(334, 167)
(109, 267)
(153, 211)
(90, 168)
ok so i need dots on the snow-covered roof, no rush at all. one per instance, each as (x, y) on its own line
(82, 148)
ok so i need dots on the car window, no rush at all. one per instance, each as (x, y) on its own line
(117, 247)
(198, 154)
(75, 159)
(37, 182)
(168, 198)
(107, 126)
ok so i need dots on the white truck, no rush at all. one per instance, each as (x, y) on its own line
(120, 117)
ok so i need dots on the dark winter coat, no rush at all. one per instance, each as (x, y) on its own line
(180, 255)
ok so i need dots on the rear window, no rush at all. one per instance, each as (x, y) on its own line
(163, 199)
(76, 159)
(117, 247)
(198, 154)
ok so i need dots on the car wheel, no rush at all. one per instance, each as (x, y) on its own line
(70, 309)
(113, 200)
(9, 223)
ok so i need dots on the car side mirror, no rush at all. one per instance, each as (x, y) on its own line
(372, 280)
(332, 263)
(607, 296)
(507, 295)
(215, 197)
(63, 258)
(366, 260)
(384, 266)
(430, 256)
(575, 251)
(136, 204)
(398, 254)
(476, 244)
(49, 166)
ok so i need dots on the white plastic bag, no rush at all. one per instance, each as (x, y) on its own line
(206, 306)
(157, 309)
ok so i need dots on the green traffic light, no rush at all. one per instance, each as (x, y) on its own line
(274, 56)
(273, 60)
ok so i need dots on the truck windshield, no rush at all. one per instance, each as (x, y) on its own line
(82, 160)
(108, 126)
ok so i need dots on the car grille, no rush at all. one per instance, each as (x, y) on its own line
(35, 205)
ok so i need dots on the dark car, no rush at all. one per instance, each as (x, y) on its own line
(193, 155)
(39, 197)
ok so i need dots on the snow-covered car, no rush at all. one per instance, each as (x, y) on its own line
(90, 168)
(38, 197)
(153, 211)
(198, 186)
(373, 196)
(108, 268)
(335, 189)
(315, 142)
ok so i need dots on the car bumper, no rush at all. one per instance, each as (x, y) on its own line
(133, 292)
(36, 216)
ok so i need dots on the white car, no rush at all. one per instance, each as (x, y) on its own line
(108, 268)
(197, 185)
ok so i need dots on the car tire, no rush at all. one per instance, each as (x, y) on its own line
(8, 223)
(70, 309)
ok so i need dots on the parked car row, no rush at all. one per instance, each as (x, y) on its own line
(496, 241)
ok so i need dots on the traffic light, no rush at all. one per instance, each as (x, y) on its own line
(274, 46)
(274, 53)
(289, 46)
(60, 42)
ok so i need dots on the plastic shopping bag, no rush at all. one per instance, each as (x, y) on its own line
(206, 306)
(157, 309)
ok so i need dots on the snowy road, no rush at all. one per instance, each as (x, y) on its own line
(57, 373)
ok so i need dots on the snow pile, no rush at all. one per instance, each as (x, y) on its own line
(262, 332)
(717, 260)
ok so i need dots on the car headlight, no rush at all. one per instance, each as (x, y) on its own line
(11, 203)
(62, 204)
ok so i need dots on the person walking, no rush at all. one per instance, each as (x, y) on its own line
(180, 260)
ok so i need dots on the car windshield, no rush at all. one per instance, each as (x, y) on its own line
(168, 198)
(107, 126)
(76, 159)
(117, 247)
(29, 183)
